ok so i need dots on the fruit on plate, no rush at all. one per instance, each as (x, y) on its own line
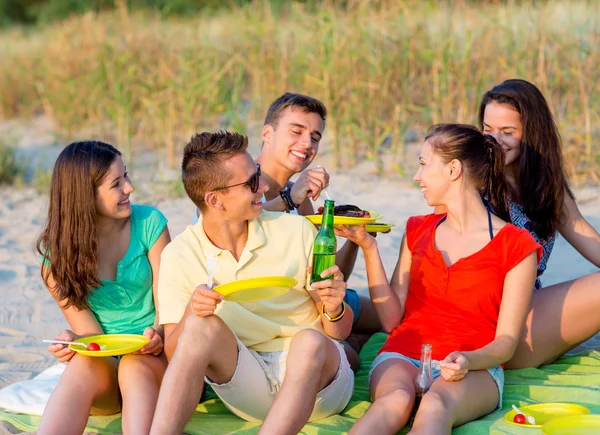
(520, 419)
(93, 346)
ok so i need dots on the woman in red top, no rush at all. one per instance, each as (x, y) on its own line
(463, 283)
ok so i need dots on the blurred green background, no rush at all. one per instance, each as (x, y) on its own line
(146, 74)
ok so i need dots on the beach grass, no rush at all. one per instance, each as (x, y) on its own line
(385, 69)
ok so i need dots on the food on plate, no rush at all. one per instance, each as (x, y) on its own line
(520, 419)
(93, 346)
(347, 210)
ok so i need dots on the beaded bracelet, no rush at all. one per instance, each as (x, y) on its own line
(286, 196)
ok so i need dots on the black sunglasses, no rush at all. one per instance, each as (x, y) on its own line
(253, 183)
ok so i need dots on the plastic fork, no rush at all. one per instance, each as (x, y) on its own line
(325, 191)
(211, 266)
(530, 418)
(77, 343)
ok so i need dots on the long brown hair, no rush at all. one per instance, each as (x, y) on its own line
(68, 243)
(542, 179)
(481, 156)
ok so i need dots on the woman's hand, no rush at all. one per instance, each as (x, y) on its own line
(455, 366)
(62, 351)
(155, 346)
(357, 234)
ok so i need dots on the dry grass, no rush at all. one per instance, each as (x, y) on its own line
(382, 68)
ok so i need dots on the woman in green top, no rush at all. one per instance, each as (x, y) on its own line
(100, 261)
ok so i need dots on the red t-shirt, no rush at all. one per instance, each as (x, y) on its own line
(455, 308)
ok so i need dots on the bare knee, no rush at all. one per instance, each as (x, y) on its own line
(433, 402)
(101, 371)
(98, 377)
(144, 366)
(201, 330)
(312, 343)
(399, 401)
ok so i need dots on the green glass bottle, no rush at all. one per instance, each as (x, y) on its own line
(325, 244)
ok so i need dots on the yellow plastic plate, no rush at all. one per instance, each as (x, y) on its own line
(544, 412)
(341, 220)
(256, 289)
(116, 344)
(573, 425)
(378, 227)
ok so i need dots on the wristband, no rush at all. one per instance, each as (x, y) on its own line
(287, 199)
(334, 319)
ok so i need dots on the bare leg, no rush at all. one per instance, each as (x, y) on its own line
(366, 325)
(393, 392)
(88, 385)
(351, 354)
(561, 317)
(312, 364)
(206, 346)
(449, 404)
(139, 379)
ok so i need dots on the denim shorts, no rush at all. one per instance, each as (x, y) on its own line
(352, 299)
(495, 372)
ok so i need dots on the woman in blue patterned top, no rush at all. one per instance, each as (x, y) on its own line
(100, 261)
(562, 315)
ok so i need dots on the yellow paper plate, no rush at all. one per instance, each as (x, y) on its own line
(544, 412)
(256, 289)
(573, 425)
(341, 220)
(116, 344)
(378, 227)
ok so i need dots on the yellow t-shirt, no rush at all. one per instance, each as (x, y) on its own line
(279, 244)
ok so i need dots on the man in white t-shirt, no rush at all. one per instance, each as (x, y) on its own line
(291, 135)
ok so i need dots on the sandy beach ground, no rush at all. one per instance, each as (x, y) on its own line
(28, 314)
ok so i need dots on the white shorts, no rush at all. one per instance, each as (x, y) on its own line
(259, 375)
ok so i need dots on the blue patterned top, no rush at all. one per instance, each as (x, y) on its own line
(520, 219)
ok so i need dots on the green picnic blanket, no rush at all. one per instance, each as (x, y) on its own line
(574, 378)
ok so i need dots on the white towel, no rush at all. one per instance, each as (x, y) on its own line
(31, 396)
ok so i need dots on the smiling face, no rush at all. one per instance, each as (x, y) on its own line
(239, 202)
(503, 122)
(294, 142)
(112, 195)
(432, 176)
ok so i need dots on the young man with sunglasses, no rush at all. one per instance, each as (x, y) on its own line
(275, 360)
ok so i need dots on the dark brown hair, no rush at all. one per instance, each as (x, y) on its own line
(542, 179)
(68, 243)
(302, 102)
(481, 156)
(202, 166)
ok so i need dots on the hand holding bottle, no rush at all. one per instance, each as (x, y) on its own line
(455, 366)
(331, 291)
